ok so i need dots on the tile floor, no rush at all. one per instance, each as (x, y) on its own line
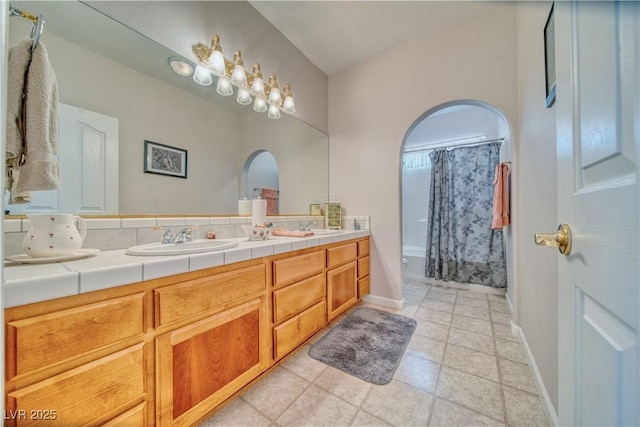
(461, 368)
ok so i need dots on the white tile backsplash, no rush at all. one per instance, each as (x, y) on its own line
(197, 221)
(138, 222)
(122, 233)
(168, 222)
(102, 223)
(12, 225)
(216, 221)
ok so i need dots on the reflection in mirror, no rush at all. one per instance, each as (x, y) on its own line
(107, 68)
(260, 174)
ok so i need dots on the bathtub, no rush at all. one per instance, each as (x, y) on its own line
(415, 260)
(413, 263)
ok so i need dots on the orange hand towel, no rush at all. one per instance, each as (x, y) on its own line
(289, 233)
(500, 216)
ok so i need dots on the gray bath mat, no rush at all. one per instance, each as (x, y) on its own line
(367, 344)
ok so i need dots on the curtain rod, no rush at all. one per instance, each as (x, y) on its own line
(452, 143)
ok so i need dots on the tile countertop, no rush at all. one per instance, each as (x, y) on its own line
(29, 283)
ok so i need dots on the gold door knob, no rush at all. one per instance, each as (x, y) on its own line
(561, 239)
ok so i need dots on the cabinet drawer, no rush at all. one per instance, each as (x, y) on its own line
(364, 287)
(185, 299)
(290, 270)
(363, 267)
(41, 341)
(296, 298)
(83, 394)
(287, 336)
(136, 416)
(363, 248)
(341, 254)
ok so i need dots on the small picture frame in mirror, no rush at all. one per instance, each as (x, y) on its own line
(550, 60)
(164, 160)
(315, 209)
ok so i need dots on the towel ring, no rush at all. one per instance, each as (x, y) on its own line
(36, 31)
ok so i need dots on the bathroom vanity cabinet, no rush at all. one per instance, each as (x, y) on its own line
(363, 268)
(342, 285)
(169, 351)
(298, 299)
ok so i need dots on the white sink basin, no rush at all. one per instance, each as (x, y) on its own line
(325, 231)
(197, 246)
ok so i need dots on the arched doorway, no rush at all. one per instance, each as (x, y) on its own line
(261, 179)
(463, 122)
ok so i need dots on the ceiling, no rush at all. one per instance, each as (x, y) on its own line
(336, 35)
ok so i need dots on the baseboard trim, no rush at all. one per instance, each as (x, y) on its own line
(552, 417)
(387, 302)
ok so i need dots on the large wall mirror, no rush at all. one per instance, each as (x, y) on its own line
(105, 68)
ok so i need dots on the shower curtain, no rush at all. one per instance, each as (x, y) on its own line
(461, 245)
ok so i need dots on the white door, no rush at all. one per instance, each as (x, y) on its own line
(598, 121)
(88, 160)
(89, 146)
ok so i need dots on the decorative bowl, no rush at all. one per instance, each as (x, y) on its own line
(256, 233)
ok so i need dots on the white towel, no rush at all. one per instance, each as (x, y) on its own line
(38, 147)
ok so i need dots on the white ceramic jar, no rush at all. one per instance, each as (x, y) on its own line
(52, 235)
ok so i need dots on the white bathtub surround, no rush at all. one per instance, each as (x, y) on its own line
(415, 261)
(122, 233)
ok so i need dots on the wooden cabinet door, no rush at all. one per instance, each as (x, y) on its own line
(342, 289)
(200, 365)
(83, 395)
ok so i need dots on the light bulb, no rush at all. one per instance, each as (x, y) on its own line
(244, 97)
(239, 75)
(202, 76)
(257, 87)
(274, 96)
(274, 112)
(288, 106)
(259, 105)
(224, 87)
(216, 59)
(216, 63)
(274, 93)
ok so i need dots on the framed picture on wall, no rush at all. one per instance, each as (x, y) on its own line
(164, 160)
(550, 60)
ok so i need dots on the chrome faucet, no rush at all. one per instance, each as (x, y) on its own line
(306, 226)
(184, 235)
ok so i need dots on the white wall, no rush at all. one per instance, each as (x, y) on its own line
(301, 154)
(537, 187)
(475, 59)
(146, 109)
(262, 173)
(179, 25)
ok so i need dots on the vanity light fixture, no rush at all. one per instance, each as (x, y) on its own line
(266, 97)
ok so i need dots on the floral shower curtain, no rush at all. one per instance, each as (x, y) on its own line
(461, 245)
